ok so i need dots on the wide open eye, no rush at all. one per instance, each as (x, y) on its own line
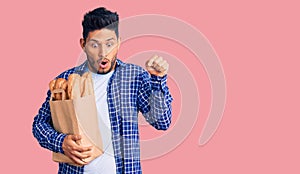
(95, 45)
(109, 44)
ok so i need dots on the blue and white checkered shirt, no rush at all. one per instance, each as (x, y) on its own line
(130, 89)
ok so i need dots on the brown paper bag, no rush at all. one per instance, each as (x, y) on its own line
(77, 116)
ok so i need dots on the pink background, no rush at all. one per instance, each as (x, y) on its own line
(258, 45)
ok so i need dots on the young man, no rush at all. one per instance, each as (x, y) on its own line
(121, 91)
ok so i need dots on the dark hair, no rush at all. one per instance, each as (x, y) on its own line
(98, 19)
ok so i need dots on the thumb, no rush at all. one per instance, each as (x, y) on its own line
(76, 137)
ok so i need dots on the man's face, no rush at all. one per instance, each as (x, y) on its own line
(101, 48)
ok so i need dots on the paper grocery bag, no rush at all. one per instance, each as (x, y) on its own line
(77, 116)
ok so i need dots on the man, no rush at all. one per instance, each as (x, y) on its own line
(121, 91)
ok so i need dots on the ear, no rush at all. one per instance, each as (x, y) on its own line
(82, 43)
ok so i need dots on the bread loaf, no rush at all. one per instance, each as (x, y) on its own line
(71, 79)
(58, 85)
(82, 86)
(76, 86)
(52, 84)
(75, 92)
(90, 85)
(85, 74)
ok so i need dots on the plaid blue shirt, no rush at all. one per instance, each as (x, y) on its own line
(130, 89)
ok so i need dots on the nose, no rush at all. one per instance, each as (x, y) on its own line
(102, 52)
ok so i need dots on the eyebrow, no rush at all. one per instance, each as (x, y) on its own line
(109, 39)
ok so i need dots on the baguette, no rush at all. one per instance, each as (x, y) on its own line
(58, 85)
(82, 86)
(65, 88)
(51, 85)
(76, 86)
(86, 88)
(85, 74)
(71, 80)
(88, 84)
(75, 94)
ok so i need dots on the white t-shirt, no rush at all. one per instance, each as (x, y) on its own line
(105, 163)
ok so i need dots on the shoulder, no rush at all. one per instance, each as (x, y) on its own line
(130, 69)
(128, 72)
(66, 73)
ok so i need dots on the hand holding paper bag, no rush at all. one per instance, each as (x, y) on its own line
(76, 115)
(74, 151)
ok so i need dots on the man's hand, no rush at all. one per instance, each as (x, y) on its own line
(157, 66)
(74, 151)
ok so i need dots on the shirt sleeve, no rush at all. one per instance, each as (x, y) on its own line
(154, 101)
(43, 130)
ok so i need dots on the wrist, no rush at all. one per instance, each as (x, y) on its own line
(59, 143)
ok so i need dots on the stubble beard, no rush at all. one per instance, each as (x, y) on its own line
(93, 65)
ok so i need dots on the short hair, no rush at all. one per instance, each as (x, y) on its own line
(98, 19)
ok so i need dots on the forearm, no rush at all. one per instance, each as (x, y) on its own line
(159, 109)
(160, 113)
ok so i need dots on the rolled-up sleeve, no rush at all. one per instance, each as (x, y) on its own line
(154, 101)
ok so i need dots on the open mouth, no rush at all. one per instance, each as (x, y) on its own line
(103, 63)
